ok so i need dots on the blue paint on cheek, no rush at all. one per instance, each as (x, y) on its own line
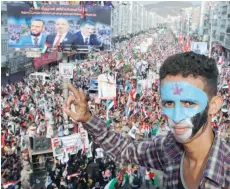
(182, 91)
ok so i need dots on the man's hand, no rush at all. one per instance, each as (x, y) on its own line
(78, 99)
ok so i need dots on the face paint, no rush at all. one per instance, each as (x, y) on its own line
(186, 108)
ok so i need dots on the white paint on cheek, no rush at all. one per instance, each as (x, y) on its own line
(182, 138)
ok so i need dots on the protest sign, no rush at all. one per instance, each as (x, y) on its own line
(68, 144)
(107, 86)
(66, 70)
(199, 47)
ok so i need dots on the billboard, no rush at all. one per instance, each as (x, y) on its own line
(199, 47)
(51, 25)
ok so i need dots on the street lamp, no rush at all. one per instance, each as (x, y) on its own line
(210, 41)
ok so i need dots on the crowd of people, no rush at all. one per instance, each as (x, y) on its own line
(32, 109)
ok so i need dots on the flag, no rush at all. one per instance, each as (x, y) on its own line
(12, 183)
(111, 184)
(154, 131)
(221, 59)
(133, 94)
(127, 86)
(82, 11)
(110, 104)
(73, 175)
(36, 4)
(45, 47)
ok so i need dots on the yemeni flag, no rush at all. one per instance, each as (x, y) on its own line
(111, 184)
(44, 47)
(36, 4)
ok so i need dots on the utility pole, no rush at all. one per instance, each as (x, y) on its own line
(210, 41)
(65, 86)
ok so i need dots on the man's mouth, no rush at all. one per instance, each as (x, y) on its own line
(180, 130)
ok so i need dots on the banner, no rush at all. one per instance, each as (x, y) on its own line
(46, 58)
(68, 144)
(107, 86)
(50, 25)
(199, 47)
(66, 70)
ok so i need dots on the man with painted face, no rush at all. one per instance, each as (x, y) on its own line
(192, 155)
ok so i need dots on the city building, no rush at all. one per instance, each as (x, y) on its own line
(215, 26)
(127, 17)
(14, 64)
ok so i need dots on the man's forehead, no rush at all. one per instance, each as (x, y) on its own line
(194, 81)
(37, 22)
(181, 90)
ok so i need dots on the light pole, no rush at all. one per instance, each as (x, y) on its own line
(210, 41)
(181, 19)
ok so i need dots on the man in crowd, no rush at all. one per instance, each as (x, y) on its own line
(86, 34)
(63, 36)
(36, 38)
(189, 100)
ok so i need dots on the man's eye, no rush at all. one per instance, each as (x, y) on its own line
(168, 104)
(188, 104)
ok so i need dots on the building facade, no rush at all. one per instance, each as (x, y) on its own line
(127, 17)
(132, 17)
(215, 26)
(14, 65)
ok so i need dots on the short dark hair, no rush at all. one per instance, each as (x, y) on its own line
(87, 22)
(38, 20)
(190, 63)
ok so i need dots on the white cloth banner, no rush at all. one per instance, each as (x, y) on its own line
(199, 47)
(107, 86)
(69, 144)
(66, 70)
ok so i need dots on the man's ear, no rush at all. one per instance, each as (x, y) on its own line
(215, 105)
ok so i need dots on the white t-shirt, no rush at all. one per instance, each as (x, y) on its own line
(147, 175)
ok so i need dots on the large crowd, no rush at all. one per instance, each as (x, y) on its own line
(33, 109)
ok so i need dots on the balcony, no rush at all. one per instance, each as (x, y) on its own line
(222, 38)
(228, 30)
(222, 26)
(227, 43)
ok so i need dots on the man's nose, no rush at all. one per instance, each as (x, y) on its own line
(178, 114)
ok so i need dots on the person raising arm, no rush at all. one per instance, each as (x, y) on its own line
(191, 156)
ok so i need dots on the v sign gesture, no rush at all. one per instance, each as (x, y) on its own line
(78, 99)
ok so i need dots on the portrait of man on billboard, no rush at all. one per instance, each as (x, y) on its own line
(62, 34)
(36, 38)
(86, 35)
